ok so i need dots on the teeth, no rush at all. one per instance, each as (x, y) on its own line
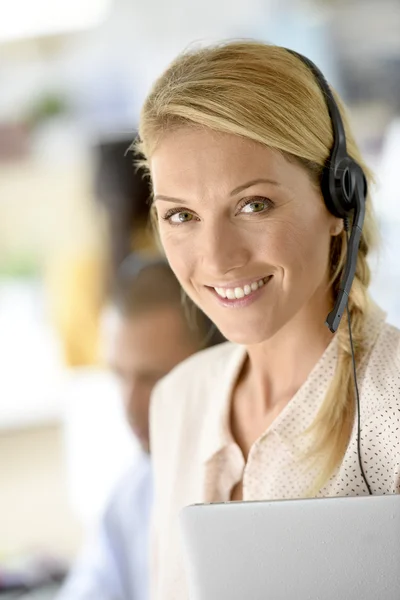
(238, 292)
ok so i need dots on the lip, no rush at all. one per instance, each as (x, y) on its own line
(239, 283)
(240, 302)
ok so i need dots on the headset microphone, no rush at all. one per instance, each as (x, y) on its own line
(333, 319)
(344, 188)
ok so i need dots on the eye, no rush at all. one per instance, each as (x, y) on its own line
(176, 216)
(255, 205)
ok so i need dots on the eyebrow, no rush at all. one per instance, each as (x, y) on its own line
(244, 186)
(235, 191)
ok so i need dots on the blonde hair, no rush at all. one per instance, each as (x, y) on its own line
(264, 93)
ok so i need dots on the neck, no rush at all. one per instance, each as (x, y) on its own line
(278, 367)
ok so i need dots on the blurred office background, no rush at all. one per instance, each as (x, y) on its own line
(73, 76)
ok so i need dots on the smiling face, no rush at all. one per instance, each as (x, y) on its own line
(245, 231)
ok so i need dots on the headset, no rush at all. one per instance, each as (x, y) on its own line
(344, 189)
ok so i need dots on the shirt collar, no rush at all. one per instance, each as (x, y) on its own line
(299, 413)
(217, 434)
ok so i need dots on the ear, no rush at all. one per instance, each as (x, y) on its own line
(336, 227)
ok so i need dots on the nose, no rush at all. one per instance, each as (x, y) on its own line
(222, 248)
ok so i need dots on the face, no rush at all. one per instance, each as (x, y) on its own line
(245, 231)
(141, 350)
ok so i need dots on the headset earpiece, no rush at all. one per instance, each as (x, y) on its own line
(344, 188)
(338, 186)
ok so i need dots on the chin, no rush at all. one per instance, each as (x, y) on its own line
(250, 335)
(145, 447)
(142, 440)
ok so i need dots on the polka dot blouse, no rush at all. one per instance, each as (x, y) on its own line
(195, 458)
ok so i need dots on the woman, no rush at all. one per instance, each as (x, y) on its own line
(235, 138)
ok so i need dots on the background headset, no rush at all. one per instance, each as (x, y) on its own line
(344, 189)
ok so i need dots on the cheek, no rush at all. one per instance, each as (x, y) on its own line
(300, 248)
(169, 240)
(179, 251)
(287, 242)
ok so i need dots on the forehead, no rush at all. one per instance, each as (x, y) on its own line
(185, 157)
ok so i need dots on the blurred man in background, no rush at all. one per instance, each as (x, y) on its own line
(149, 336)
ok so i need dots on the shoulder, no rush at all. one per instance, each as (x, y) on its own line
(211, 359)
(380, 411)
(384, 360)
(197, 375)
(190, 398)
(382, 376)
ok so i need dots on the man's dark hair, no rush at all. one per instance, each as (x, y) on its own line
(123, 192)
(144, 284)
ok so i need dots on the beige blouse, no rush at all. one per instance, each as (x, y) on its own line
(195, 458)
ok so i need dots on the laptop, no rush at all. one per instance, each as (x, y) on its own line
(314, 549)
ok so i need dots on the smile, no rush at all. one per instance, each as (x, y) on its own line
(241, 292)
(240, 296)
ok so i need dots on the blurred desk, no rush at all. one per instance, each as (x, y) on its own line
(35, 514)
(55, 478)
(30, 357)
(45, 594)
